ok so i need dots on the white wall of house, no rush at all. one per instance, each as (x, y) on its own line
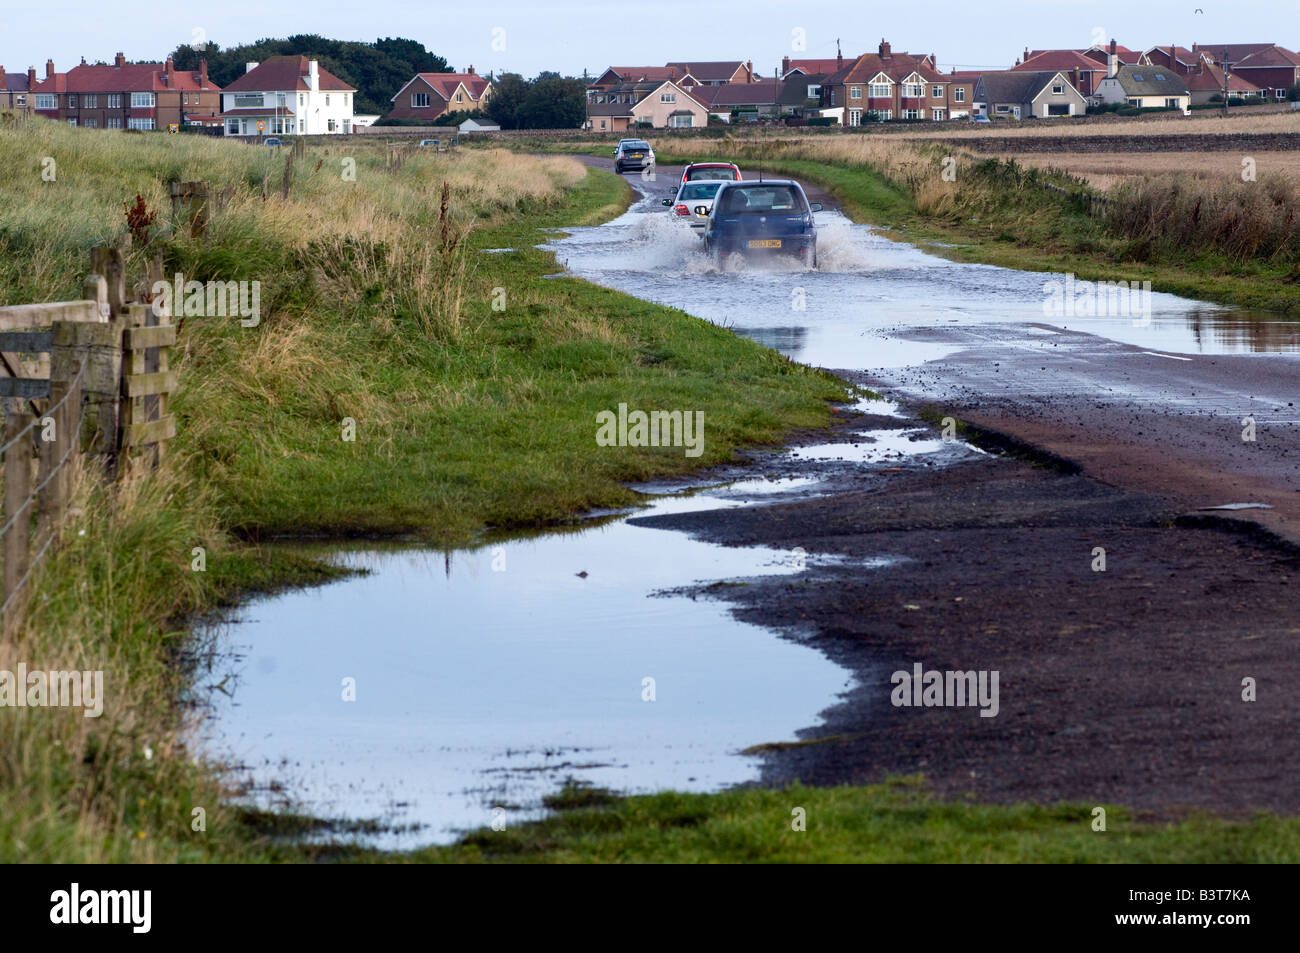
(309, 112)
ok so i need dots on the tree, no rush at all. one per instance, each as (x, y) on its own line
(505, 105)
(554, 102)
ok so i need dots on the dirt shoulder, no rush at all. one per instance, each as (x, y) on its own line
(1119, 686)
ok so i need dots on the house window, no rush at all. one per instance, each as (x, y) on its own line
(602, 124)
(72, 122)
(301, 99)
(683, 122)
(142, 101)
(139, 123)
(114, 122)
(1160, 77)
(855, 117)
(114, 100)
(91, 123)
(884, 115)
(232, 127)
(1137, 77)
(913, 90)
(72, 100)
(1135, 102)
(936, 92)
(1279, 94)
(880, 91)
(939, 114)
(460, 97)
(814, 92)
(330, 125)
(248, 100)
(279, 99)
(419, 100)
(20, 101)
(911, 114)
(1058, 90)
(855, 92)
(327, 99)
(1171, 103)
(959, 95)
(45, 101)
(668, 97)
(1003, 109)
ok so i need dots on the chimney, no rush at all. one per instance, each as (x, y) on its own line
(120, 60)
(785, 65)
(203, 72)
(83, 61)
(749, 71)
(313, 73)
(249, 67)
(31, 78)
(471, 69)
(2, 77)
(884, 50)
(1112, 61)
(1026, 54)
(171, 74)
(839, 57)
(49, 69)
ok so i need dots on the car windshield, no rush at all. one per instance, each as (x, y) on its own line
(722, 173)
(765, 198)
(699, 190)
(636, 147)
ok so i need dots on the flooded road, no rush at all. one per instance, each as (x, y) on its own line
(485, 677)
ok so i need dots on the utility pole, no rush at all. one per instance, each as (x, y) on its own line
(1225, 82)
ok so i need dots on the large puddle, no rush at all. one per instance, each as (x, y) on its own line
(484, 678)
(875, 304)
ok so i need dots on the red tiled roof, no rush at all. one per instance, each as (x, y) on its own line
(758, 93)
(1212, 79)
(897, 67)
(715, 70)
(816, 66)
(285, 73)
(637, 74)
(1060, 60)
(1272, 57)
(133, 77)
(444, 84)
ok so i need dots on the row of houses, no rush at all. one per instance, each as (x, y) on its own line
(283, 95)
(888, 85)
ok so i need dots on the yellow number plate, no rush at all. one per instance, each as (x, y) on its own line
(765, 243)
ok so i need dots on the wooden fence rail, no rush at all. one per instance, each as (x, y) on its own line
(86, 378)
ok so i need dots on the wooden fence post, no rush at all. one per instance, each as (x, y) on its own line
(18, 487)
(100, 345)
(288, 175)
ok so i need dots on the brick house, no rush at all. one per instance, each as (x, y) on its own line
(886, 85)
(757, 100)
(288, 95)
(426, 96)
(14, 91)
(823, 67)
(125, 95)
(1272, 68)
(1204, 79)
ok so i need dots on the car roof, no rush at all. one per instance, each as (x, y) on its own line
(757, 183)
(725, 165)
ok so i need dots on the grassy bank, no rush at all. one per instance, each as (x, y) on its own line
(376, 323)
(1214, 239)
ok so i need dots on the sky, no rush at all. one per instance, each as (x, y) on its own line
(527, 36)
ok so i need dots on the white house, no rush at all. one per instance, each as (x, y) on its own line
(287, 96)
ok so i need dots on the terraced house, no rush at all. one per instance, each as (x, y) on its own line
(426, 96)
(287, 95)
(14, 90)
(886, 85)
(126, 95)
(1270, 67)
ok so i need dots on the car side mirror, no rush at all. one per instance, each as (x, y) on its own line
(666, 202)
(816, 206)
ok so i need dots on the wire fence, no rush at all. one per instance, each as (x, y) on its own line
(65, 433)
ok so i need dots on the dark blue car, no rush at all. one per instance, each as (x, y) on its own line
(758, 219)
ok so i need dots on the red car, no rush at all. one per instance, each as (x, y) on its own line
(723, 171)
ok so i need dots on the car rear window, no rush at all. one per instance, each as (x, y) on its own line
(721, 173)
(700, 190)
(636, 146)
(763, 198)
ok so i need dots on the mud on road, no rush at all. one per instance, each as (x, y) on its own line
(1118, 686)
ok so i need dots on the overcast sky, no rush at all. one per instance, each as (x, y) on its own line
(527, 36)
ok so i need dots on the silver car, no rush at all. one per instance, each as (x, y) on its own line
(694, 201)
